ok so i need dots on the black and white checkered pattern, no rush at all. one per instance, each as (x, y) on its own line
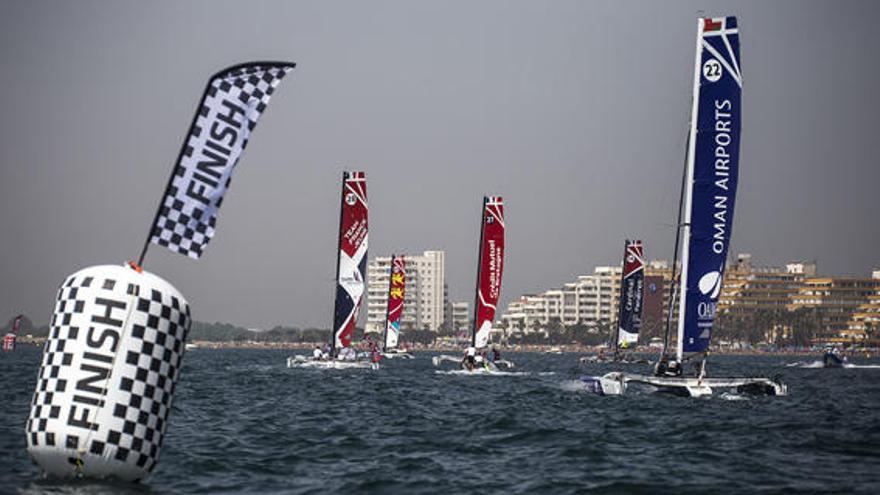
(130, 417)
(233, 102)
(147, 380)
(57, 360)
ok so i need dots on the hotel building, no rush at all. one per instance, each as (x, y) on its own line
(424, 298)
(836, 302)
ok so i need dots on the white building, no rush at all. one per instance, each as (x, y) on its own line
(590, 300)
(459, 315)
(425, 294)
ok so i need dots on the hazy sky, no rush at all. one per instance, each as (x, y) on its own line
(575, 112)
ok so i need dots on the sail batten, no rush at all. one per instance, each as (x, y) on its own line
(396, 297)
(351, 263)
(711, 180)
(489, 269)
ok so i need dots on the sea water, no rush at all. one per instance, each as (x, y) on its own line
(242, 422)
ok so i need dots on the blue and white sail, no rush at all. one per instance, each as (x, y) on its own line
(710, 187)
(632, 289)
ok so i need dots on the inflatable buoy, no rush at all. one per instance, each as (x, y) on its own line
(110, 365)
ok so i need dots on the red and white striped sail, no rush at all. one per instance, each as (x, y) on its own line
(9, 342)
(9, 338)
(491, 264)
(396, 296)
(352, 262)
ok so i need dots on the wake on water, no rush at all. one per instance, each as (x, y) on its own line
(493, 373)
(820, 364)
(806, 364)
(573, 386)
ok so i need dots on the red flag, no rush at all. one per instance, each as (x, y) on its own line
(710, 24)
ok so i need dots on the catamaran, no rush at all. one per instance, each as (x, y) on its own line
(9, 338)
(351, 266)
(394, 309)
(707, 200)
(489, 268)
(629, 316)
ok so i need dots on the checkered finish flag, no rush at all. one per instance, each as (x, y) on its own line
(110, 365)
(233, 102)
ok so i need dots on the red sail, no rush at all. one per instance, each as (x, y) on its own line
(490, 268)
(8, 342)
(352, 262)
(396, 295)
(9, 338)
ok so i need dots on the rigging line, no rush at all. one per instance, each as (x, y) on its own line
(675, 254)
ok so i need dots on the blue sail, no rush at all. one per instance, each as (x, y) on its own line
(713, 169)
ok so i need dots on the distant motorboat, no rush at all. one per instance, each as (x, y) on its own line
(832, 359)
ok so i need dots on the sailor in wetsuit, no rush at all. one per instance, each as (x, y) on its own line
(667, 367)
(480, 360)
(469, 360)
(496, 354)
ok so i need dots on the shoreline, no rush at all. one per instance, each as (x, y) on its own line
(452, 349)
(550, 349)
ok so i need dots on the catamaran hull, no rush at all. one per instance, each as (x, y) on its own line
(616, 384)
(604, 385)
(398, 355)
(301, 362)
(597, 359)
(477, 371)
(445, 358)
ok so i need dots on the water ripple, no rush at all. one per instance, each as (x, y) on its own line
(244, 423)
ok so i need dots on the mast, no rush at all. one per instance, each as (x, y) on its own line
(338, 261)
(615, 332)
(675, 252)
(476, 323)
(689, 196)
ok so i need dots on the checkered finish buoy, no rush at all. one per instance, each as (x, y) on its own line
(110, 365)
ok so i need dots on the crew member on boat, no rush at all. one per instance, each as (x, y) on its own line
(496, 354)
(347, 354)
(469, 360)
(667, 367)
